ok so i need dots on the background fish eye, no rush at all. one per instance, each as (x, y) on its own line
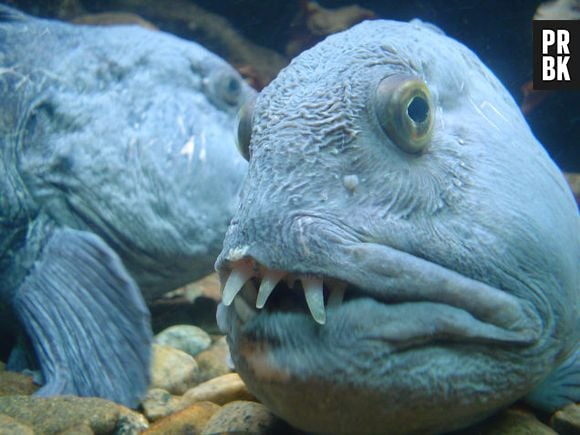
(244, 133)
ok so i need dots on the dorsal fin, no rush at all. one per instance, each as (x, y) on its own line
(8, 14)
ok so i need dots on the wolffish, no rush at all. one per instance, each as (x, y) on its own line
(404, 259)
(119, 178)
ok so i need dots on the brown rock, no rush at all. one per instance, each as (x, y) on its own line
(208, 287)
(242, 417)
(13, 384)
(190, 420)
(511, 422)
(114, 19)
(160, 403)
(173, 370)
(574, 182)
(221, 390)
(213, 362)
(567, 420)
(58, 414)
(10, 426)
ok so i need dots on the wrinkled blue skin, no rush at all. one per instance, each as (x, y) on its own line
(119, 178)
(464, 256)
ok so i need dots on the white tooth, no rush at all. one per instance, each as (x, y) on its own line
(314, 298)
(336, 295)
(235, 282)
(245, 311)
(271, 278)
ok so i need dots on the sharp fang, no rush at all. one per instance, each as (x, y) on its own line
(235, 282)
(271, 278)
(314, 298)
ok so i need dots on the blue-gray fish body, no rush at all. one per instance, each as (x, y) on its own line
(411, 249)
(119, 178)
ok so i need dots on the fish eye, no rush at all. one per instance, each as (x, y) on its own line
(404, 109)
(245, 123)
(226, 87)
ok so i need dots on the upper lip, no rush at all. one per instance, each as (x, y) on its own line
(388, 276)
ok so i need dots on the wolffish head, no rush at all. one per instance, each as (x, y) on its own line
(404, 256)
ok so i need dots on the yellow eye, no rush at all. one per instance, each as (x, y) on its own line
(245, 123)
(404, 109)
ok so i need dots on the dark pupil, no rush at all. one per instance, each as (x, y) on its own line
(233, 86)
(418, 110)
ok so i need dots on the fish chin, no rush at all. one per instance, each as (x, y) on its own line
(400, 334)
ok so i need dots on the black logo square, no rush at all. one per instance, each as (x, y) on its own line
(556, 54)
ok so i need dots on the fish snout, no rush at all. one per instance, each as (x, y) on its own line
(285, 267)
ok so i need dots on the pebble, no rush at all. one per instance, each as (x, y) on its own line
(190, 420)
(188, 338)
(12, 383)
(10, 426)
(130, 422)
(173, 370)
(567, 420)
(214, 361)
(58, 414)
(242, 417)
(160, 403)
(220, 390)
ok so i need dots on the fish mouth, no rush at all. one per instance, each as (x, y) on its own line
(367, 333)
(438, 303)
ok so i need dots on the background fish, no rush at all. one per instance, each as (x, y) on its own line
(119, 177)
(410, 249)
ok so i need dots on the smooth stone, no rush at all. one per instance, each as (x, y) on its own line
(188, 338)
(16, 384)
(10, 426)
(243, 417)
(214, 361)
(160, 403)
(58, 414)
(567, 421)
(130, 422)
(172, 369)
(190, 420)
(221, 390)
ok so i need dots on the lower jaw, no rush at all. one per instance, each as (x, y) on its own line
(339, 378)
(341, 401)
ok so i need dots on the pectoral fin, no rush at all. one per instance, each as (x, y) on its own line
(86, 319)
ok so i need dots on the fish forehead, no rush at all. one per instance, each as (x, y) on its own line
(344, 67)
(321, 101)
